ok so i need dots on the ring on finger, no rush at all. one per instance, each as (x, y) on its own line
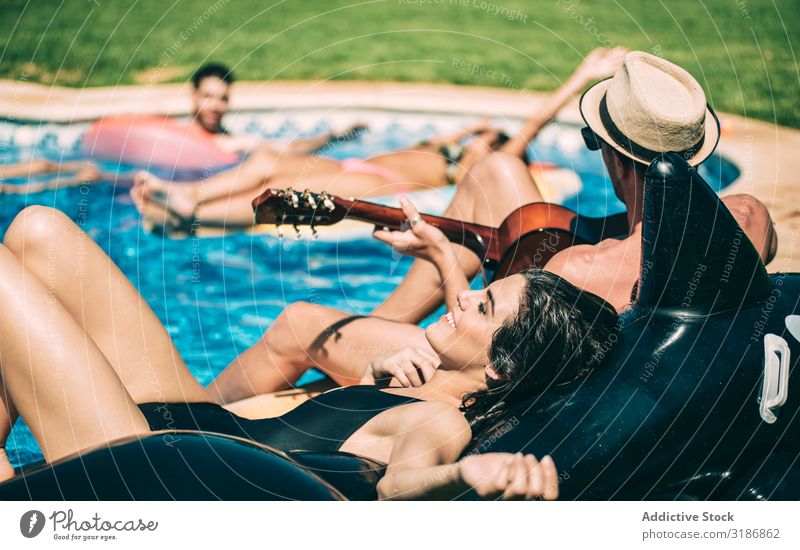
(414, 221)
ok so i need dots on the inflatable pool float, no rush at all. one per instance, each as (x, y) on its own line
(697, 400)
(173, 465)
(154, 141)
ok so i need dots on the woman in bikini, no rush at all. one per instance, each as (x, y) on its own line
(85, 362)
(224, 200)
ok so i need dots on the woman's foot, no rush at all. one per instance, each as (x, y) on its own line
(6, 469)
(155, 216)
(178, 198)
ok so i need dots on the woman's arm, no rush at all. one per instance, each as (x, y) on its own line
(423, 463)
(600, 63)
(454, 137)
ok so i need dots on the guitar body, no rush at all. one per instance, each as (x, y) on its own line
(531, 235)
(533, 249)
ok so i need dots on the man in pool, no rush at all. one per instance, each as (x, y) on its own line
(211, 85)
(649, 106)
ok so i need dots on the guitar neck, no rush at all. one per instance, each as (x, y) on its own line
(481, 239)
(528, 237)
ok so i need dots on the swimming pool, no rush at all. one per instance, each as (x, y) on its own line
(216, 296)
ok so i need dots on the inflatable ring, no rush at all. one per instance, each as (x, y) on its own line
(153, 141)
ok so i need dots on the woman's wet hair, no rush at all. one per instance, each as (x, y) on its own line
(217, 70)
(559, 334)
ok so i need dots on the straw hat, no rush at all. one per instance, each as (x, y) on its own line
(651, 106)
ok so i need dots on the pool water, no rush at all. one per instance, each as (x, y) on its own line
(216, 296)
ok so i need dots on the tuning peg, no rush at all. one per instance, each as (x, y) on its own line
(309, 197)
(297, 232)
(279, 231)
(314, 233)
(295, 200)
(327, 202)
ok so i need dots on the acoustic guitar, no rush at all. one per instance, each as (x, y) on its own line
(528, 237)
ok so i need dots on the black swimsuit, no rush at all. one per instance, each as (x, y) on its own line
(321, 424)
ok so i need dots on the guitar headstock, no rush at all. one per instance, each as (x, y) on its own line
(287, 206)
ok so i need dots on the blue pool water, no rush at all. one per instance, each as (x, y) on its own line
(216, 296)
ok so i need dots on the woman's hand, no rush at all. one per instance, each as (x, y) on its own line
(411, 367)
(421, 240)
(510, 476)
(601, 63)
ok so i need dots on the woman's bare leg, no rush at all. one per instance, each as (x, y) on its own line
(79, 275)
(233, 213)
(236, 211)
(308, 335)
(85, 173)
(57, 378)
(495, 187)
(248, 177)
(8, 415)
(35, 167)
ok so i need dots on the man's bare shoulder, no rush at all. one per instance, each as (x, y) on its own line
(581, 256)
(608, 269)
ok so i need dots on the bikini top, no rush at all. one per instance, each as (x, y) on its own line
(321, 424)
(452, 154)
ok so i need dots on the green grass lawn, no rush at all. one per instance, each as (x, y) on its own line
(742, 51)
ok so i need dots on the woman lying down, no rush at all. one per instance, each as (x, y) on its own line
(86, 362)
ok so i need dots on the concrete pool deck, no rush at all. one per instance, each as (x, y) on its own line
(766, 154)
